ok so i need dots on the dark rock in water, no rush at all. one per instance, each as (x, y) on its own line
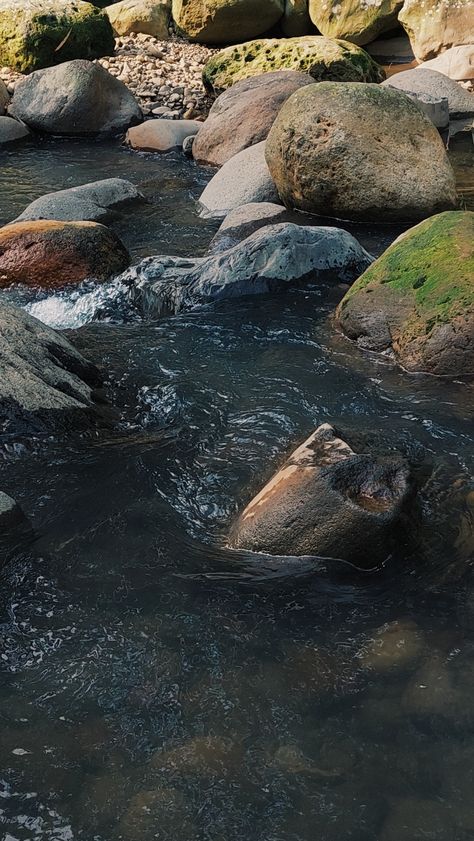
(93, 202)
(75, 99)
(14, 526)
(45, 384)
(272, 259)
(326, 500)
(11, 132)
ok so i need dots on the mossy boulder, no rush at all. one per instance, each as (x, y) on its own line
(359, 21)
(361, 152)
(323, 58)
(434, 26)
(222, 21)
(39, 33)
(417, 299)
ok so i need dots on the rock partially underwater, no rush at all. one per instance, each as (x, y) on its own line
(272, 259)
(327, 500)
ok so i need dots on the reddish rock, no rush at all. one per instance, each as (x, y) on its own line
(54, 254)
(244, 114)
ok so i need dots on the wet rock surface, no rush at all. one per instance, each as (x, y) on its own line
(46, 384)
(273, 259)
(326, 500)
(97, 201)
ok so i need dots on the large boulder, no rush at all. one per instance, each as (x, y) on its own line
(221, 21)
(360, 152)
(417, 299)
(76, 98)
(457, 63)
(296, 20)
(244, 114)
(38, 33)
(12, 132)
(436, 25)
(50, 254)
(244, 178)
(273, 259)
(98, 201)
(426, 81)
(45, 384)
(151, 17)
(323, 58)
(161, 135)
(353, 20)
(326, 500)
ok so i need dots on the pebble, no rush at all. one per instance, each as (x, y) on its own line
(163, 75)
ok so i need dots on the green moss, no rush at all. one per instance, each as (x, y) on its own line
(433, 263)
(324, 58)
(31, 40)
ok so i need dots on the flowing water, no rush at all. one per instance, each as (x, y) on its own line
(156, 685)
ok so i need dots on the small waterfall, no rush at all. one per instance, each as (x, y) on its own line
(88, 302)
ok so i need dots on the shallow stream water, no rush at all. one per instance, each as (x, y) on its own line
(155, 685)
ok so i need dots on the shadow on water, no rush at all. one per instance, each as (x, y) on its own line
(157, 684)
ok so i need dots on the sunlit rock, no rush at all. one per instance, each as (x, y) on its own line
(326, 500)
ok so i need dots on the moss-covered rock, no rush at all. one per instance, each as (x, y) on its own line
(436, 25)
(322, 58)
(359, 21)
(417, 299)
(360, 152)
(221, 21)
(39, 33)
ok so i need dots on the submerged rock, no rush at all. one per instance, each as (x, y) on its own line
(38, 33)
(358, 21)
(425, 81)
(436, 25)
(206, 756)
(151, 17)
(417, 299)
(46, 384)
(244, 178)
(51, 254)
(272, 259)
(76, 98)
(396, 645)
(221, 21)
(360, 152)
(326, 500)
(161, 135)
(11, 131)
(323, 58)
(159, 813)
(96, 201)
(244, 114)
(412, 819)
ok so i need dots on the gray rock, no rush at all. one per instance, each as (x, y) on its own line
(76, 98)
(11, 514)
(4, 97)
(424, 81)
(244, 178)
(328, 501)
(11, 131)
(272, 259)
(436, 108)
(93, 202)
(46, 385)
(245, 220)
(188, 145)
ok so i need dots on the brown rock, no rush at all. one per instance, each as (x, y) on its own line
(244, 114)
(53, 254)
(326, 501)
